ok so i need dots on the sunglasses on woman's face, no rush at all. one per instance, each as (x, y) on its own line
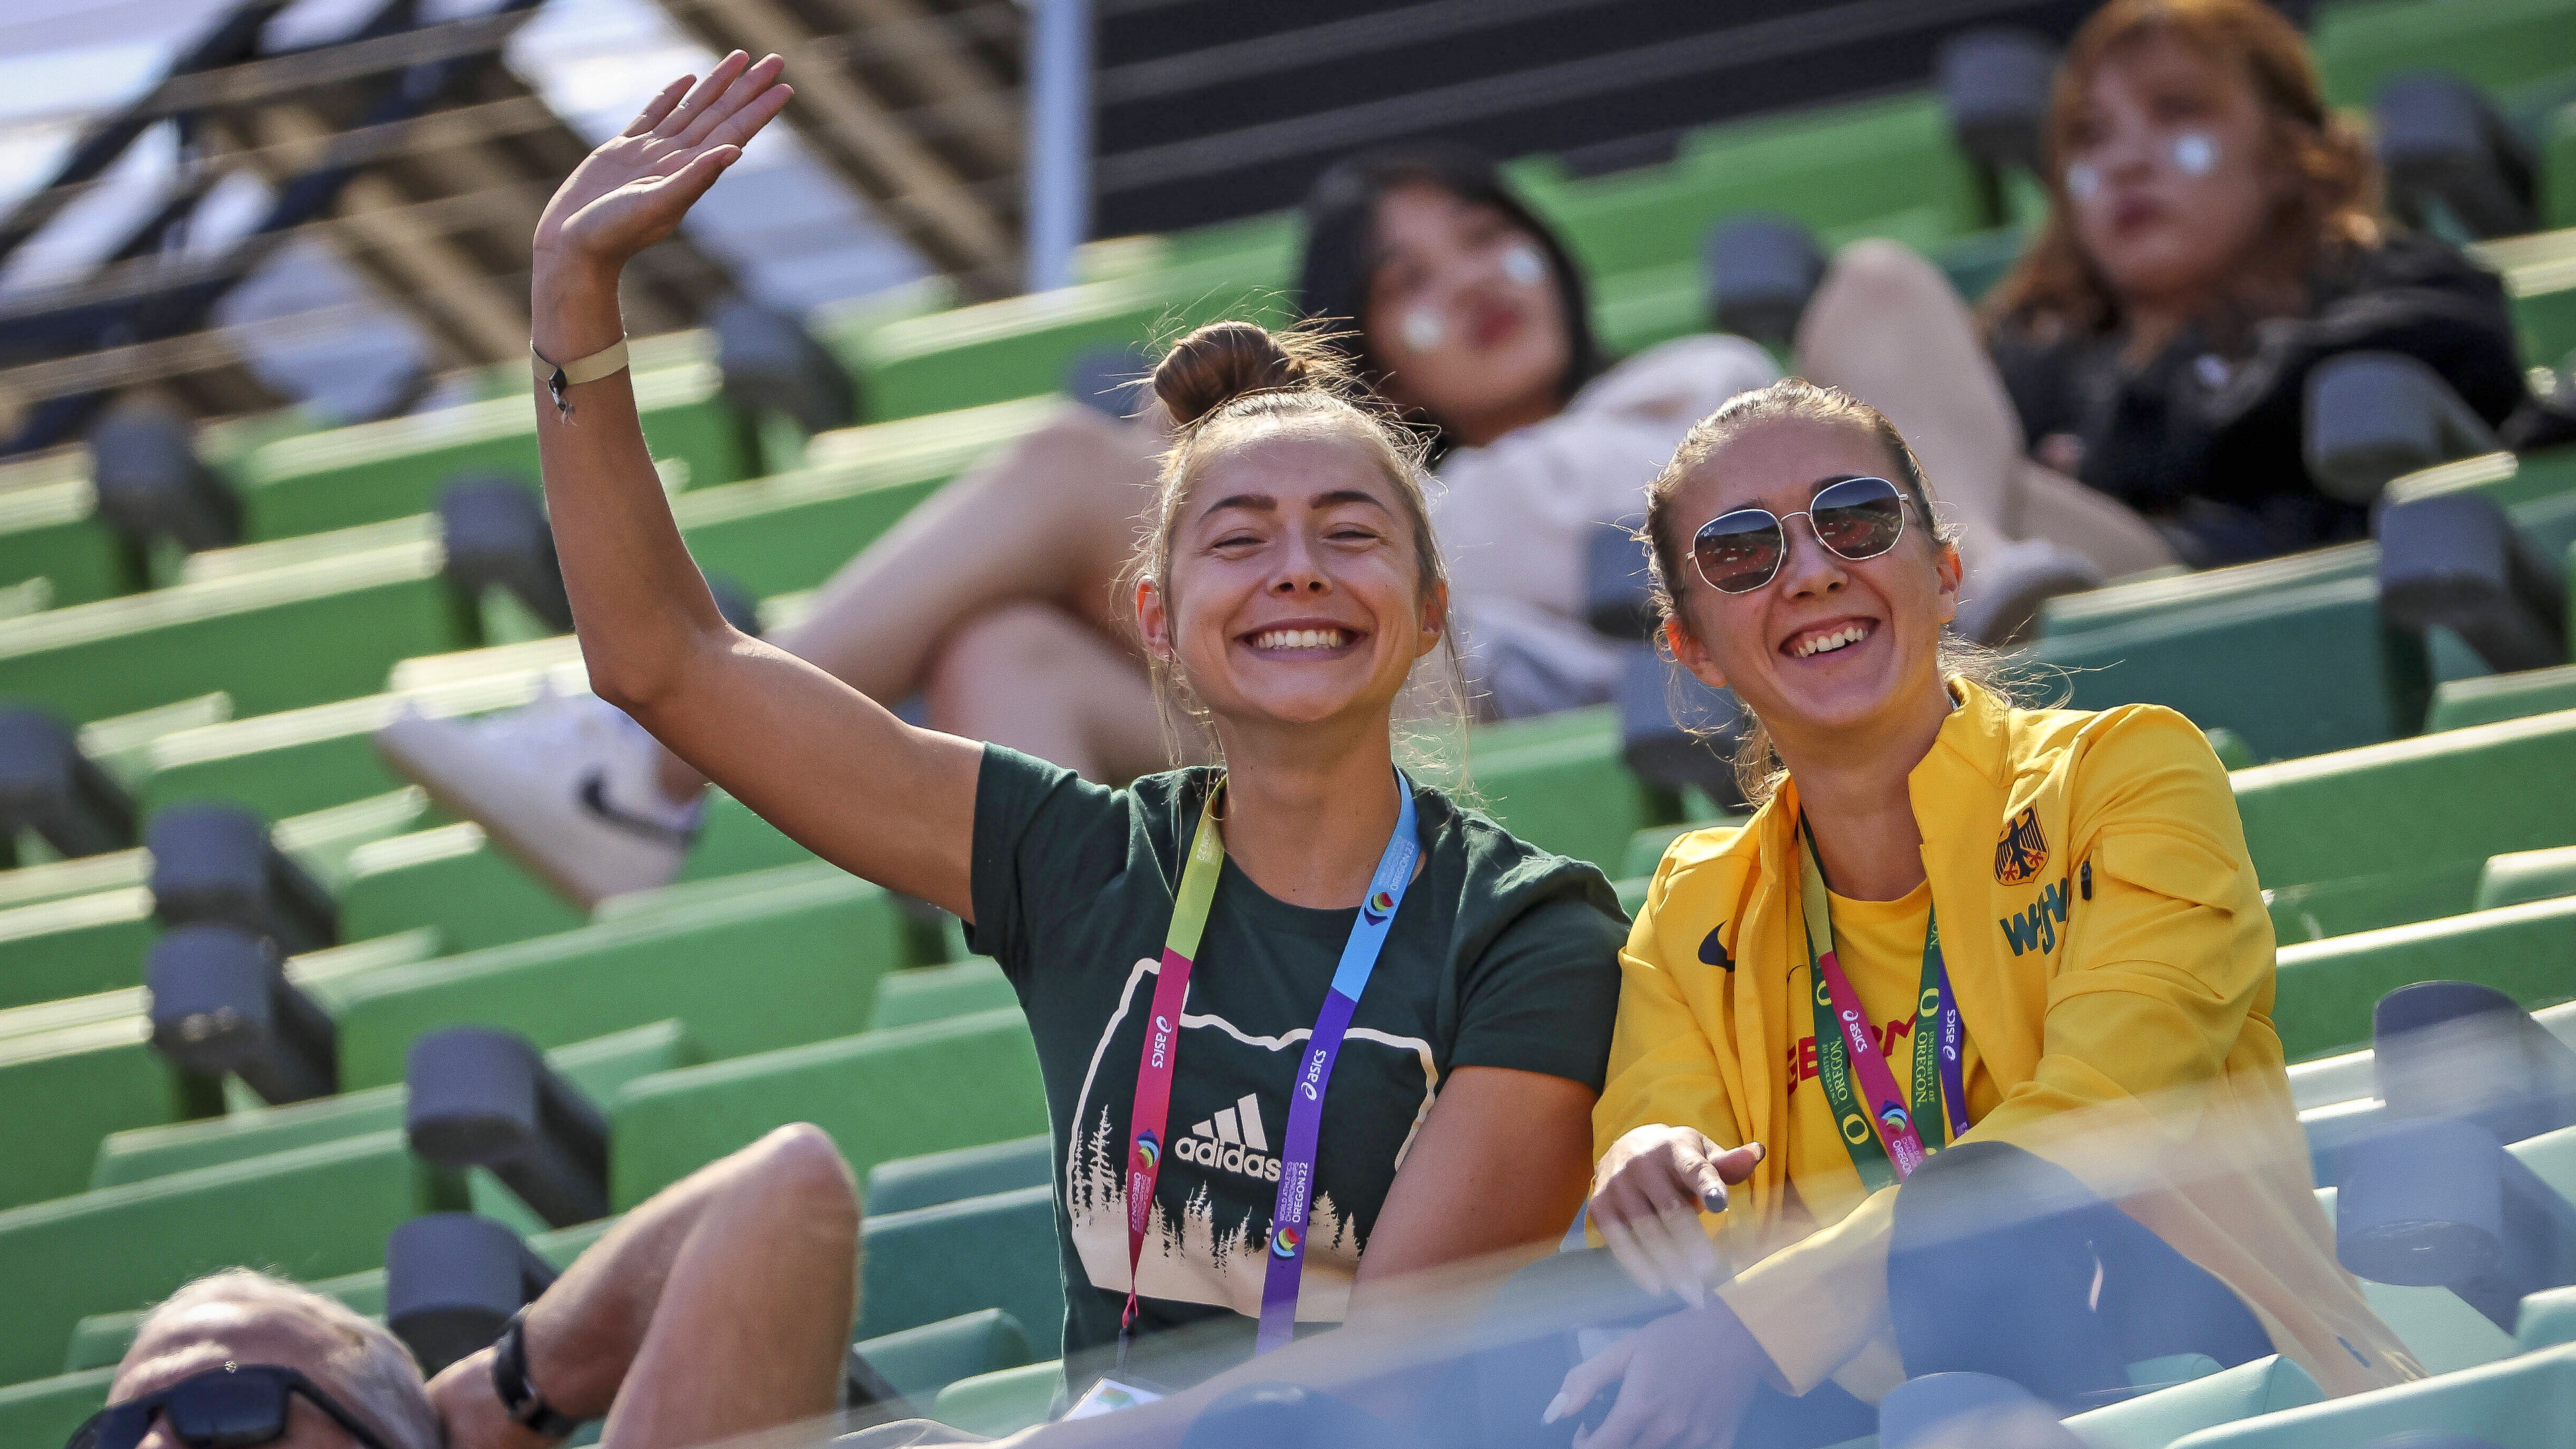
(232, 1407)
(1855, 519)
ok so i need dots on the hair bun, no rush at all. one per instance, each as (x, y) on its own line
(1224, 361)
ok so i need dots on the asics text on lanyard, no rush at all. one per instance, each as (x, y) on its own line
(1154, 1071)
(1890, 1123)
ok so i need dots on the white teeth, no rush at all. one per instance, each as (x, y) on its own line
(1827, 643)
(1299, 639)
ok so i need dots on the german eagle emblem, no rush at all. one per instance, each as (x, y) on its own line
(2022, 853)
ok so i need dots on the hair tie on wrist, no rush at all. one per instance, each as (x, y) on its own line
(557, 377)
(519, 1398)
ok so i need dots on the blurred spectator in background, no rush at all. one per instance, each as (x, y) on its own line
(718, 1307)
(995, 599)
(2213, 234)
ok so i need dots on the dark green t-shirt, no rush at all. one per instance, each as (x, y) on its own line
(1501, 956)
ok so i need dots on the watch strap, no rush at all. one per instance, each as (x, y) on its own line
(525, 1406)
(559, 376)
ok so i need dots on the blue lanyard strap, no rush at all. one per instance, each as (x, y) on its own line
(1160, 1060)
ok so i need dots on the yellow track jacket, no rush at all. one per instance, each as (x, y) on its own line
(2113, 962)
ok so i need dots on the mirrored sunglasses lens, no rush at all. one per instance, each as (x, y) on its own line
(231, 1412)
(1738, 552)
(1859, 517)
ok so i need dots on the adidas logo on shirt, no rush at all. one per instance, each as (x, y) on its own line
(1231, 1141)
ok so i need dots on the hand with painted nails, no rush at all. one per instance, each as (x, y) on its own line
(1683, 1380)
(1647, 1196)
(633, 190)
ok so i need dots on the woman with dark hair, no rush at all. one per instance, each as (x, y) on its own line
(1461, 307)
(2213, 234)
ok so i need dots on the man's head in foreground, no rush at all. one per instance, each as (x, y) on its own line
(347, 1382)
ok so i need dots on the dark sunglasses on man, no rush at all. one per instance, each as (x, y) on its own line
(235, 1406)
(1855, 519)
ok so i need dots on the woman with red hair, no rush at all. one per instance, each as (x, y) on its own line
(2132, 391)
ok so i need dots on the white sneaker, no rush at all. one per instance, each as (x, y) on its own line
(1999, 600)
(566, 785)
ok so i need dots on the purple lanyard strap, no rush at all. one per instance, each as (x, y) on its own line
(1154, 1071)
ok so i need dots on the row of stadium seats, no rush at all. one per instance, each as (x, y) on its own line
(2411, 823)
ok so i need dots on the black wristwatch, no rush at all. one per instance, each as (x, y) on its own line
(526, 1407)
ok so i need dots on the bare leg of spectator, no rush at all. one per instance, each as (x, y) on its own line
(1037, 679)
(2056, 507)
(718, 1307)
(1887, 327)
(1052, 517)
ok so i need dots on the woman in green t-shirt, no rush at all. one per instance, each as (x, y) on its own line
(1287, 593)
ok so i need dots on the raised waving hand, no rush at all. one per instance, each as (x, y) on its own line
(632, 191)
(822, 762)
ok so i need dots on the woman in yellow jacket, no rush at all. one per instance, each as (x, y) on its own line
(1974, 1014)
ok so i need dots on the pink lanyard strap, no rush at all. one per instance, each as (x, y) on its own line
(1160, 1060)
(1881, 1124)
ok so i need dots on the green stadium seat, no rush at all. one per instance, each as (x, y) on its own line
(372, 472)
(2539, 272)
(788, 957)
(1633, 892)
(2162, 591)
(930, 1263)
(2557, 135)
(793, 531)
(2491, 697)
(2526, 1402)
(312, 1212)
(2306, 626)
(2327, 988)
(273, 639)
(921, 1361)
(1018, 347)
(74, 946)
(2548, 1319)
(999, 1404)
(2293, 672)
(2526, 875)
(451, 878)
(50, 529)
(100, 1339)
(597, 1067)
(2444, 1334)
(284, 763)
(1572, 794)
(935, 993)
(882, 1095)
(2152, 1421)
(2398, 832)
(54, 880)
(321, 841)
(944, 1177)
(44, 1412)
(2492, 43)
(89, 1060)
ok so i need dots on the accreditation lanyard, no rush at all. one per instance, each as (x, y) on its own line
(1154, 1070)
(1889, 1126)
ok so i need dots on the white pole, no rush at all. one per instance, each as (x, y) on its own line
(1059, 138)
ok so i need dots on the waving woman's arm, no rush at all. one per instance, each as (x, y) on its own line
(816, 758)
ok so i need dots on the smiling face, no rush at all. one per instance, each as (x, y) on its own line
(1463, 314)
(2170, 172)
(177, 1345)
(1830, 645)
(1294, 594)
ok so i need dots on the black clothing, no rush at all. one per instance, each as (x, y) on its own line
(2206, 439)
